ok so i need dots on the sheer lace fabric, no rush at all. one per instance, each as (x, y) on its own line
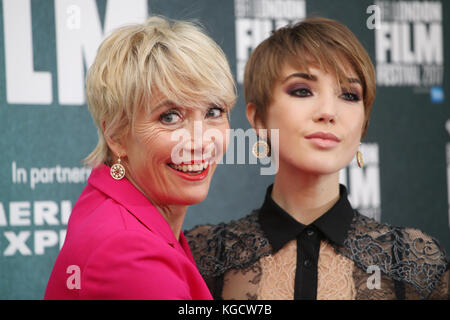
(275, 276)
(278, 274)
(335, 275)
(238, 262)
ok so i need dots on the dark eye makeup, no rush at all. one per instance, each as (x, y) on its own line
(351, 96)
(299, 90)
(302, 91)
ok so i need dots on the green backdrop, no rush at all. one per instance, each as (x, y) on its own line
(46, 129)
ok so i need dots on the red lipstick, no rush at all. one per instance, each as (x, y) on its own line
(192, 177)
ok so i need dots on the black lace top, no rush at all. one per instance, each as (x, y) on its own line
(373, 261)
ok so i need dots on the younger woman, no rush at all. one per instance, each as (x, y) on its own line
(314, 82)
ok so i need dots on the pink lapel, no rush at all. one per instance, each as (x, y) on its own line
(125, 193)
(186, 249)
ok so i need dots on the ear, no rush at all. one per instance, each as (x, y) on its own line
(117, 146)
(254, 119)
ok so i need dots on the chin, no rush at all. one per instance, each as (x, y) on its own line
(188, 198)
(320, 166)
(323, 171)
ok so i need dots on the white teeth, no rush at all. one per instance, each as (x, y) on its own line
(191, 167)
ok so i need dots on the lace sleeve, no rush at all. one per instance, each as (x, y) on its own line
(224, 246)
(423, 255)
(229, 248)
(406, 255)
(203, 247)
(442, 289)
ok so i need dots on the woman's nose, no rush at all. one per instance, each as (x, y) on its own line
(326, 111)
(196, 144)
(325, 117)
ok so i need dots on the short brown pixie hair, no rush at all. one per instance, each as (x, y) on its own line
(322, 42)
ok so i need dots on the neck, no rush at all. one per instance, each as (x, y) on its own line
(174, 215)
(305, 196)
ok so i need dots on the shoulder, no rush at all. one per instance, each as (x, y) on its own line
(223, 233)
(125, 265)
(108, 231)
(96, 217)
(404, 254)
(133, 265)
(128, 246)
(236, 244)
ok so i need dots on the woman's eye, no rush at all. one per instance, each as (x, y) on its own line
(349, 96)
(170, 117)
(301, 92)
(214, 112)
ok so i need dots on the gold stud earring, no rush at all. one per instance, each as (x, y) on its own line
(260, 154)
(117, 170)
(359, 159)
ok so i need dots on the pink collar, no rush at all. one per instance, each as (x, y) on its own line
(125, 193)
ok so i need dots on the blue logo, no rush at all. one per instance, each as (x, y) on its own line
(437, 94)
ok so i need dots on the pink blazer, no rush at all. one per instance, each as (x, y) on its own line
(118, 246)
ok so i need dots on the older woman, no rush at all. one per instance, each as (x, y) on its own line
(315, 83)
(153, 90)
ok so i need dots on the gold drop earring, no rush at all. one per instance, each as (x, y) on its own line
(260, 154)
(117, 170)
(359, 158)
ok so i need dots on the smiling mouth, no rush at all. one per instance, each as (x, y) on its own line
(191, 169)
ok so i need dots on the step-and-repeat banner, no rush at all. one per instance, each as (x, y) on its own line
(46, 130)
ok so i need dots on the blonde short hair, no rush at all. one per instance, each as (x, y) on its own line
(173, 58)
(322, 42)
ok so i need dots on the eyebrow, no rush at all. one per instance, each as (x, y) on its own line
(312, 77)
(163, 104)
(301, 75)
(169, 103)
(354, 80)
